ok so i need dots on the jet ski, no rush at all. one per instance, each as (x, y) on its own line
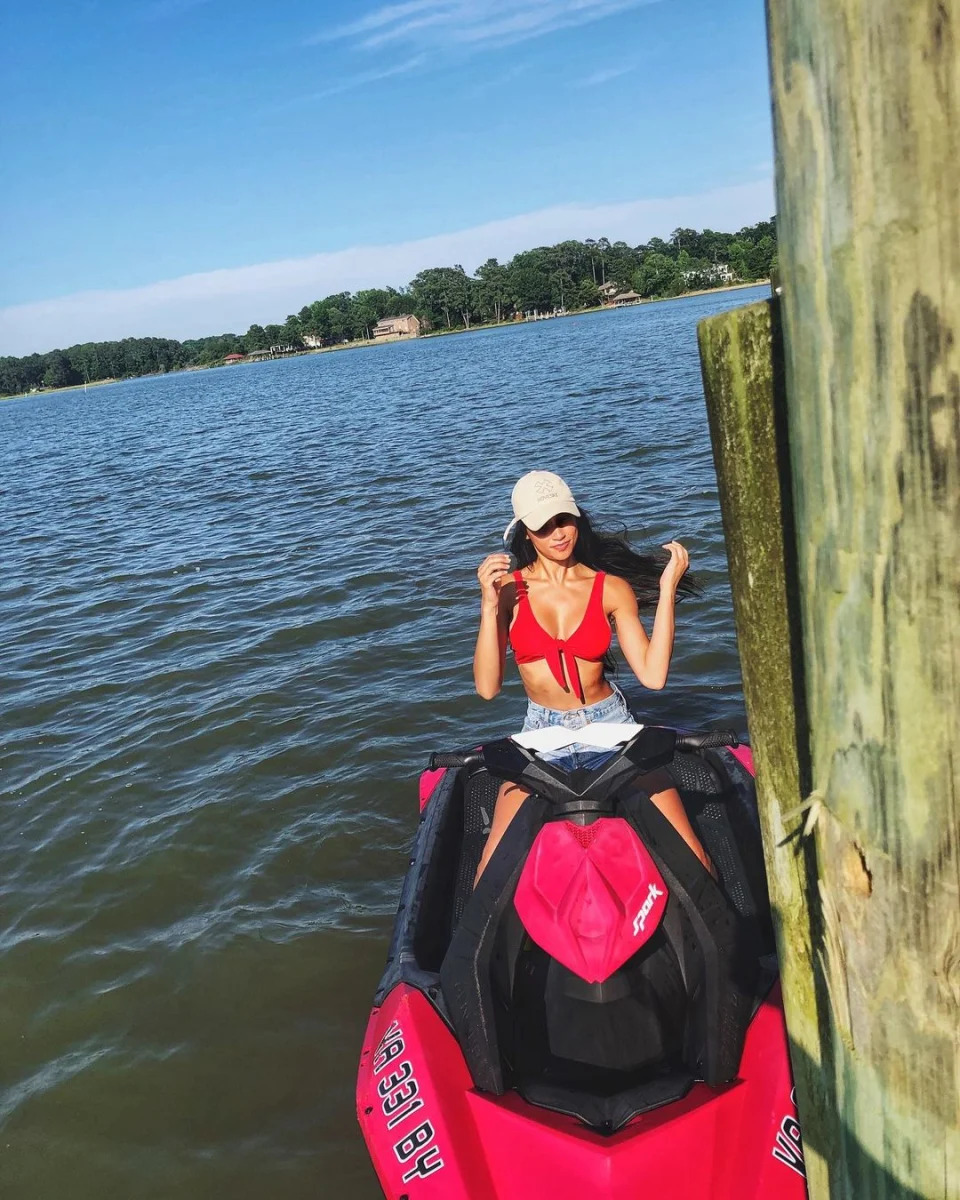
(599, 1017)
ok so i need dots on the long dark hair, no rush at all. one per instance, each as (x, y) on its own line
(612, 553)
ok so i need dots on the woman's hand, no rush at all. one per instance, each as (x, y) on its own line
(488, 657)
(675, 569)
(492, 574)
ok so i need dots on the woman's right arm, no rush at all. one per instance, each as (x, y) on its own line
(491, 649)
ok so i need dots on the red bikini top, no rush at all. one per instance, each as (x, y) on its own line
(589, 641)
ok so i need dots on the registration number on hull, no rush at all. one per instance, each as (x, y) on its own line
(400, 1100)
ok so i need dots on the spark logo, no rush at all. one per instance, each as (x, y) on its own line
(653, 895)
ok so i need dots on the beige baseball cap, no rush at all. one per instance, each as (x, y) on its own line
(538, 496)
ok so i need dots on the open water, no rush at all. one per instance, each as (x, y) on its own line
(236, 613)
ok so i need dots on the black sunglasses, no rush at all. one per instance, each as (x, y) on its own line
(548, 528)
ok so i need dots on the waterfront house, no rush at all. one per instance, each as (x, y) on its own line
(396, 327)
(234, 358)
(622, 298)
(607, 291)
(711, 275)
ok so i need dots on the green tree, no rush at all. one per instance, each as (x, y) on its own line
(737, 253)
(685, 239)
(494, 289)
(530, 286)
(255, 339)
(337, 324)
(462, 293)
(603, 245)
(657, 275)
(430, 296)
(85, 362)
(591, 245)
(760, 256)
(363, 314)
(561, 286)
(443, 291)
(588, 294)
(292, 333)
(314, 322)
(57, 371)
(622, 261)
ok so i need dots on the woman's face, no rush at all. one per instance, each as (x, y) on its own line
(556, 539)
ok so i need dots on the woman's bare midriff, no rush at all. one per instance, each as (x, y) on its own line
(543, 689)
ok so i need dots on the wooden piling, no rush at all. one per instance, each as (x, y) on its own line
(742, 362)
(867, 124)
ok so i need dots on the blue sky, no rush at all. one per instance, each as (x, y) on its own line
(196, 162)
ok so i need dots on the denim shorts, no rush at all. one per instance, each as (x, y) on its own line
(610, 711)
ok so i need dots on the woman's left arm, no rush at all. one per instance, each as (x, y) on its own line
(649, 658)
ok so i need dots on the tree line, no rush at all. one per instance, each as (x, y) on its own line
(569, 276)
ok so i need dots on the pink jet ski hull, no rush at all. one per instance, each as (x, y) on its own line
(433, 1135)
(740, 1142)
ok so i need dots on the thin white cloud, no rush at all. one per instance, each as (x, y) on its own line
(604, 76)
(481, 24)
(348, 82)
(215, 301)
(389, 14)
(409, 31)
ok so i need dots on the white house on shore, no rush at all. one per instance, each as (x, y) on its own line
(396, 327)
(715, 273)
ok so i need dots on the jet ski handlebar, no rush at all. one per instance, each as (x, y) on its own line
(708, 740)
(457, 759)
(685, 742)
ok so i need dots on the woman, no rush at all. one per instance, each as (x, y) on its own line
(556, 611)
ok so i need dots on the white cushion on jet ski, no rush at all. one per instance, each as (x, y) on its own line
(555, 737)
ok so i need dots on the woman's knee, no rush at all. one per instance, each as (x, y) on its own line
(509, 799)
(655, 782)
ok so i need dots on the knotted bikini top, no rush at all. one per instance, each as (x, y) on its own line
(590, 640)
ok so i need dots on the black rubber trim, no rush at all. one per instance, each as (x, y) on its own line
(402, 965)
(465, 977)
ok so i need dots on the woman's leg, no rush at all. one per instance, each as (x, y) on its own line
(665, 796)
(509, 799)
(658, 787)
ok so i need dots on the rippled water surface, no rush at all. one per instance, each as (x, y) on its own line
(237, 611)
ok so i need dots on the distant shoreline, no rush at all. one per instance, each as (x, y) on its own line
(578, 312)
(357, 344)
(71, 387)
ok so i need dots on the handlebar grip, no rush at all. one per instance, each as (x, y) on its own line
(709, 740)
(440, 761)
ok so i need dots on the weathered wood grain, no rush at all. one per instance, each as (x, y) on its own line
(867, 124)
(741, 360)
